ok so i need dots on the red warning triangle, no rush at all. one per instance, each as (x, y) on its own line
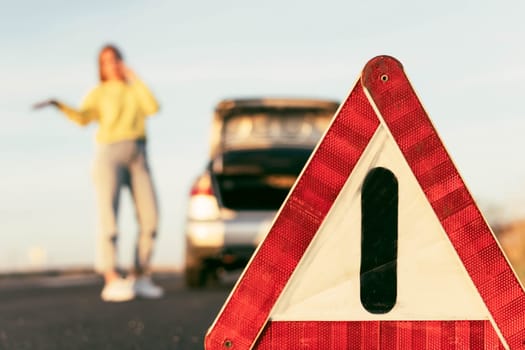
(379, 244)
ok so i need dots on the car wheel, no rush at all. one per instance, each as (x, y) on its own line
(195, 277)
(201, 276)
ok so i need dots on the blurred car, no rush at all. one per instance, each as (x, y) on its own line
(258, 149)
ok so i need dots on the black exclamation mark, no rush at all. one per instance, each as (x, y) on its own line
(379, 216)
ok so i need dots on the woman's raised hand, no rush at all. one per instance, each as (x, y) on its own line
(129, 74)
(46, 103)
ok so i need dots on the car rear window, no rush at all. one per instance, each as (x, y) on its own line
(269, 128)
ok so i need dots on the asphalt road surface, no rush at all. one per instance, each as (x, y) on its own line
(67, 313)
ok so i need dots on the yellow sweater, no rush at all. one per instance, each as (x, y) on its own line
(120, 109)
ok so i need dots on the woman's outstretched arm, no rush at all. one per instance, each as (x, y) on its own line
(87, 112)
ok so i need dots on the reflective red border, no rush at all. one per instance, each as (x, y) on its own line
(379, 335)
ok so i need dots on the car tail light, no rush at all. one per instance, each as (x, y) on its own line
(203, 203)
(202, 186)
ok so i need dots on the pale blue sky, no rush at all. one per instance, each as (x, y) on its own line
(466, 60)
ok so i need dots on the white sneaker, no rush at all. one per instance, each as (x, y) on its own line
(145, 288)
(118, 290)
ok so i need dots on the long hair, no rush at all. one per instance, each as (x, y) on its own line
(116, 52)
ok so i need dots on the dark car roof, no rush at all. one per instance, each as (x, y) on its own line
(229, 106)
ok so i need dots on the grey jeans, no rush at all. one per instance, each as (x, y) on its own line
(116, 165)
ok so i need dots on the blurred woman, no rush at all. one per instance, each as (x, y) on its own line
(120, 105)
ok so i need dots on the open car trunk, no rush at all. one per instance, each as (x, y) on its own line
(257, 179)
